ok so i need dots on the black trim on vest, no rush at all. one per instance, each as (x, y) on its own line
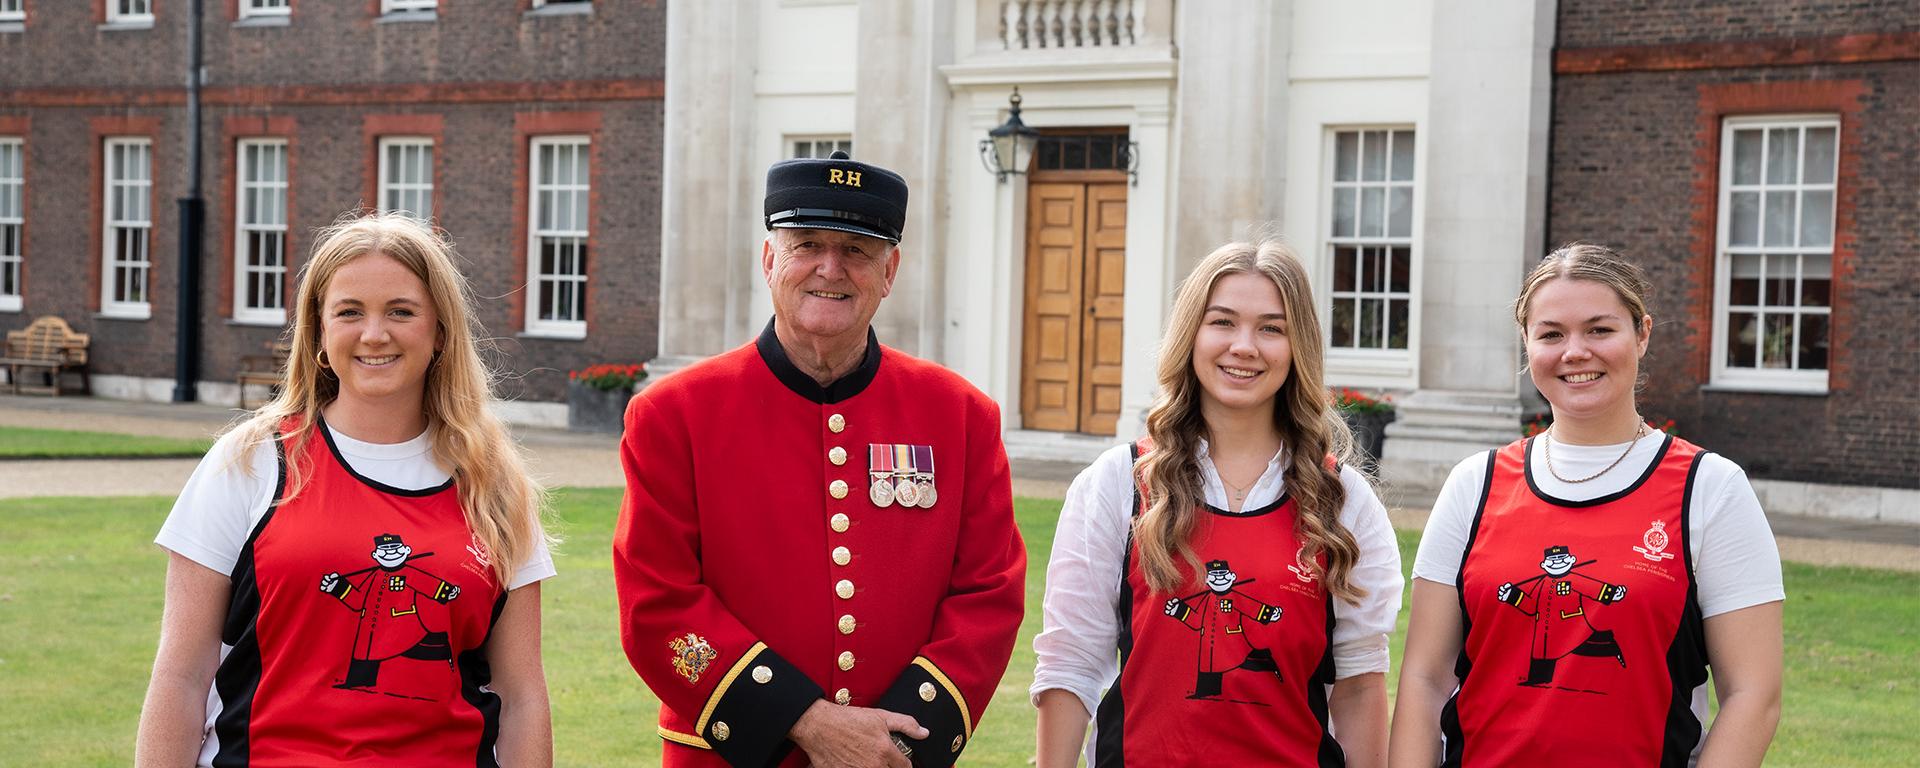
(1687, 656)
(1452, 736)
(1330, 755)
(1109, 731)
(368, 481)
(1277, 503)
(475, 673)
(843, 388)
(1526, 454)
(238, 676)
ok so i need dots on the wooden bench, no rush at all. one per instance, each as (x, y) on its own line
(265, 369)
(50, 346)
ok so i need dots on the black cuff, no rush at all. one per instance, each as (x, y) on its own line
(925, 694)
(747, 718)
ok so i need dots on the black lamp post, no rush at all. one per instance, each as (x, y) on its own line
(1008, 149)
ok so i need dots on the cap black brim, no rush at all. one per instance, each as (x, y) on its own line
(837, 226)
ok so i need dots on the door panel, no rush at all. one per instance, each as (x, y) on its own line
(1102, 344)
(1050, 379)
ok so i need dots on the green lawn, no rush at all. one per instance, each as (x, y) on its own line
(80, 595)
(28, 443)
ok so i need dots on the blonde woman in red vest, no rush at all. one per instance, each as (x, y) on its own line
(355, 570)
(1572, 589)
(1227, 581)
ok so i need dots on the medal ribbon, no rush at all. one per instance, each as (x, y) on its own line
(879, 459)
(903, 460)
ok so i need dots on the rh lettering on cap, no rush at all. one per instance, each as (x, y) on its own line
(843, 177)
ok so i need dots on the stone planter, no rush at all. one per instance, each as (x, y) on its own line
(1369, 434)
(596, 410)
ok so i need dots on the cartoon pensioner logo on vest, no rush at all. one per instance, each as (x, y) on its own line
(1559, 610)
(386, 597)
(1217, 614)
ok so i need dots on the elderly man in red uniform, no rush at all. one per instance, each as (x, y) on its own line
(788, 605)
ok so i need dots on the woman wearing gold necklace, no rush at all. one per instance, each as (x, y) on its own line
(1227, 582)
(1573, 589)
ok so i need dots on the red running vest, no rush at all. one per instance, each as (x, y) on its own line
(1584, 638)
(358, 619)
(1232, 671)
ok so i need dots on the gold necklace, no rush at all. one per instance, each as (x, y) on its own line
(1239, 493)
(1547, 451)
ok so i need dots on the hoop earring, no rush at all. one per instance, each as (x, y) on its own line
(321, 357)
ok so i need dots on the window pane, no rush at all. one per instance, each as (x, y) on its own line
(1820, 155)
(1744, 290)
(1372, 271)
(1783, 151)
(1779, 218)
(1397, 324)
(1776, 346)
(1343, 322)
(1813, 342)
(1344, 217)
(1778, 291)
(1343, 269)
(1746, 157)
(1816, 281)
(1346, 154)
(1400, 220)
(1743, 329)
(1402, 264)
(1372, 211)
(546, 165)
(1402, 155)
(1816, 219)
(1373, 156)
(1372, 313)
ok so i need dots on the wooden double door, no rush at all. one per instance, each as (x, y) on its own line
(1076, 280)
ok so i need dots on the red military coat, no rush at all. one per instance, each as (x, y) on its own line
(757, 573)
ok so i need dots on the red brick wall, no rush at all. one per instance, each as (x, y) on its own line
(1635, 165)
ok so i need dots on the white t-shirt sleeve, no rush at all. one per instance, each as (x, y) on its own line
(1077, 648)
(221, 503)
(1444, 541)
(1360, 631)
(1736, 562)
(537, 567)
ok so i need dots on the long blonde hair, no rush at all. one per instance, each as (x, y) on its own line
(501, 503)
(1303, 415)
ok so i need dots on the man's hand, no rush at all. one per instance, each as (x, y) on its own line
(858, 737)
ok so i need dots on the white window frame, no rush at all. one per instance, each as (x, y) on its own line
(128, 190)
(391, 187)
(536, 275)
(409, 6)
(13, 200)
(815, 143)
(254, 8)
(248, 194)
(1363, 366)
(13, 10)
(545, 3)
(1723, 375)
(117, 16)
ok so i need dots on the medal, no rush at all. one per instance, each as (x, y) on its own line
(924, 482)
(904, 489)
(880, 468)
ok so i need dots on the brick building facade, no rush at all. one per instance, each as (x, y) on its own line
(485, 112)
(1759, 159)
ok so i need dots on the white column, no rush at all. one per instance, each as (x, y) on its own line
(1485, 203)
(1151, 276)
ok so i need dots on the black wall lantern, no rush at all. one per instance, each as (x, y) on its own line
(1008, 149)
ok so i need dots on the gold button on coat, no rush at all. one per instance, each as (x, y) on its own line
(847, 624)
(838, 456)
(842, 556)
(957, 741)
(846, 661)
(837, 423)
(926, 692)
(842, 697)
(844, 589)
(721, 731)
(763, 675)
(838, 489)
(840, 522)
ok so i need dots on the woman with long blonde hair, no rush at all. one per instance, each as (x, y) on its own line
(1229, 580)
(355, 570)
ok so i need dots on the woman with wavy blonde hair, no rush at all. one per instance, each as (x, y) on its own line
(1228, 580)
(355, 569)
